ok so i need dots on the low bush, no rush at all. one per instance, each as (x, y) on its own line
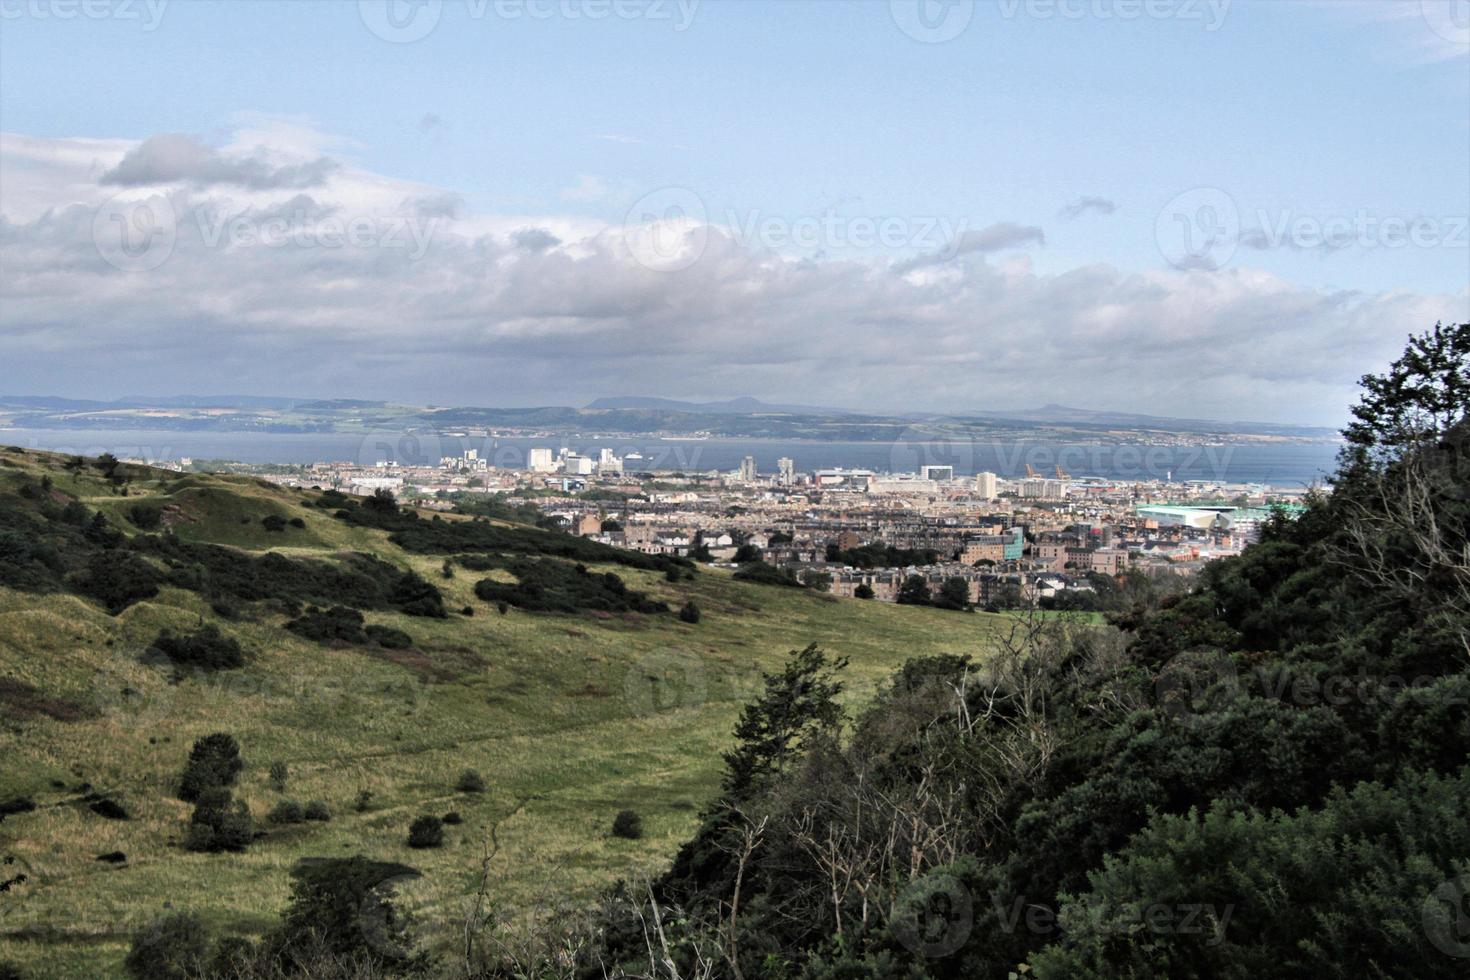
(452, 818)
(426, 832)
(470, 781)
(762, 574)
(690, 612)
(547, 585)
(175, 947)
(219, 823)
(207, 649)
(627, 825)
(317, 812)
(286, 812)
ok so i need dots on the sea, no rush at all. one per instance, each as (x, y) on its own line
(1281, 465)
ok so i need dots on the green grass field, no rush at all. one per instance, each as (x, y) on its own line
(568, 718)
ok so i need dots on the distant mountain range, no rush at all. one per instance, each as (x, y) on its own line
(736, 418)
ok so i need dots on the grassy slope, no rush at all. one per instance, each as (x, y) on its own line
(568, 718)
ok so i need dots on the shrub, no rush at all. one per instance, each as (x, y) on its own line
(549, 585)
(278, 775)
(297, 522)
(388, 637)
(173, 948)
(627, 825)
(208, 649)
(337, 624)
(219, 823)
(342, 907)
(690, 612)
(762, 574)
(470, 781)
(148, 517)
(453, 818)
(364, 801)
(318, 812)
(214, 761)
(118, 580)
(273, 522)
(863, 591)
(287, 811)
(426, 832)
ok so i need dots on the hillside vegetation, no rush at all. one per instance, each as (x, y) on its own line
(345, 646)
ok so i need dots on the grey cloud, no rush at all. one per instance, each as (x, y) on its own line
(994, 238)
(439, 206)
(1087, 205)
(535, 239)
(174, 158)
(516, 319)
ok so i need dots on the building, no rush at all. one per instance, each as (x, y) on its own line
(937, 473)
(987, 486)
(540, 461)
(609, 464)
(748, 471)
(786, 471)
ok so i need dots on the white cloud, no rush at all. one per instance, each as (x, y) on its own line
(437, 303)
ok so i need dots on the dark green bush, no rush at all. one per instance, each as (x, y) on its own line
(426, 832)
(176, 947)
(317, 812)
(214, 761)
(690, 612)
(548, 585)
(274, 523)
(470, 781)
(627, 825)
(388, 637)
(287, 811)
(762, 574)
(219, 823)
(207, 649)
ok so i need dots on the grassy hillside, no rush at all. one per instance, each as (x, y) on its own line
(569, 718)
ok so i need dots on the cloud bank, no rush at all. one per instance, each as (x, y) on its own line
(287, 271)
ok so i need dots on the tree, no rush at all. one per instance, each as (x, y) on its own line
(915, 591)
(797, 703)
(954, 594)
(1423, 393)
(747, 553)
(219, 823)
(214, 761)
(627, 825)
(863, 591)
(690, 612)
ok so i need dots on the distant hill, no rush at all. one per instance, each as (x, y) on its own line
(734, 406)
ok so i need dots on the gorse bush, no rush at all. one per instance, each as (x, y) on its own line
(214, 761)
(627, 825)
(470, 781)
(286, 812)
(205, 649)
(425, 832)
(219, 823)
(175, 947)
(547, 585)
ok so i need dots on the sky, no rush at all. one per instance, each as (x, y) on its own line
(1206, 208)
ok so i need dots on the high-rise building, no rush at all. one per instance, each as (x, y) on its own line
(747, 469)
(540, 461)
(936, 473)
(987, 486)
(786, 470)
(608, 464)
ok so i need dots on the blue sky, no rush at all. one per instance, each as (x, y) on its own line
(819, 117)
